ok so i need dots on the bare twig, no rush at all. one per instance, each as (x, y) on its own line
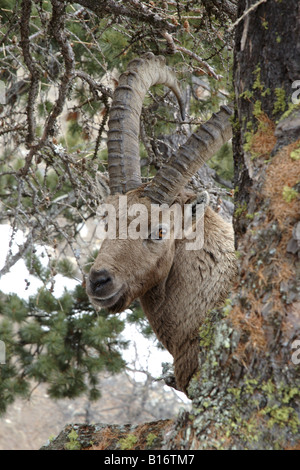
(249, 10)
(174, 48)
(94, 86)
(57, 29)
(34, 73)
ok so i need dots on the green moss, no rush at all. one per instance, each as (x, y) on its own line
(248, 144)
(235, 123)
(280, 102)
(249, 136)
(291, 108)
(236, 392)
(266, 92)
(283, 416)
(295, 154)
(269, 388)
(278, 414)
(257, 85)
(74, 443)
(240, 209)
(250, 385)
(206, 403)
(128, 442)
(248, 141)
(249, 430)
(257, 111)
(247, 95)
(150, 439)
(206, 333)
(289, 194)
(289, 393)
(227, 307)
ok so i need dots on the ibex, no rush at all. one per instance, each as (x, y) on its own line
(176, 286)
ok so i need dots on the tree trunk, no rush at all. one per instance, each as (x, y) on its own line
(246, 394)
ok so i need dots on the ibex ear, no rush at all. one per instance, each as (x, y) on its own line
(201, 199)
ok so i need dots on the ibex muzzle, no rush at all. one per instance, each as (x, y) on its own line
(176, 286)
(104, 291)
(101, 284)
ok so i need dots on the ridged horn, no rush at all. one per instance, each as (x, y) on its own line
(124, 118)
(181, 166)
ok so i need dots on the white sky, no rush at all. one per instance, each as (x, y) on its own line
(14, 281)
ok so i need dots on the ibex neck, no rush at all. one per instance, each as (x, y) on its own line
(197, 282)
(170, 304)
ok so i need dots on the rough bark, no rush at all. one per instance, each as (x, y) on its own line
(148, 436)
(266, 64)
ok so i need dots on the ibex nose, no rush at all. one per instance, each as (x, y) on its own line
(99, 281)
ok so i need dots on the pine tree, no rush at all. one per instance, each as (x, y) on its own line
(59, 341)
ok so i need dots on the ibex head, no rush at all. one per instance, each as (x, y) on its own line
(176, 285)
(139, 252)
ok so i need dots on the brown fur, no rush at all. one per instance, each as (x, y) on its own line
(176, 287)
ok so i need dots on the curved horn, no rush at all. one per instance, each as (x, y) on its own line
(182, 165)
(124, 118)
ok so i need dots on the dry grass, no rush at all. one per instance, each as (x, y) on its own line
(264, 140)
(109, 438)
(283, 172)
(294, 447)
(252, 324)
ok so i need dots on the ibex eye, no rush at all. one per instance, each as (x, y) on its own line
(158, 234)
(161, 233)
